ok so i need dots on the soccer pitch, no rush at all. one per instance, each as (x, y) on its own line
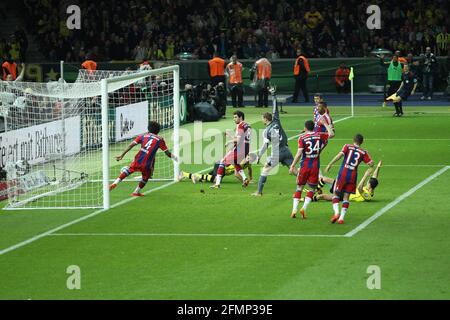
(185, 241)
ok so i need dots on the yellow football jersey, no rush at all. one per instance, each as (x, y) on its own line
(229, 170)
(365, 196)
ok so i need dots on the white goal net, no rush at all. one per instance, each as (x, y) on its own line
(59, 140)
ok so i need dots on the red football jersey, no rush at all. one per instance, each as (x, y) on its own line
(353, 156)
(312, 144)
(150, 143)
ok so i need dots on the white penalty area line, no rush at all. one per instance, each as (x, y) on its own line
(237, 235)
(389, 206)
(95, 213)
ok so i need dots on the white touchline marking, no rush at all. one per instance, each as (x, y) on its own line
(389, 206)
(193, 235)
(93, 214)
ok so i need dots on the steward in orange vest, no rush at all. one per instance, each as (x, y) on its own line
(216, 69)
(341, 79)
(301, 72)
(234, 75)
(9, 69)
(262, 70)
(89, 65)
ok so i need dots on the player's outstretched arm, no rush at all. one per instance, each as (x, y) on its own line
(377, 170)
(335, 159)
(364, 179)
(171, 155)
(275, 112)
(399, 88)
(262, 150)
(130, 146)
(329, 130)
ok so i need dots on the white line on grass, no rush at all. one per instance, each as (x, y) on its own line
(194, 235)
(93, 214)
(339, 120)
(389, 206)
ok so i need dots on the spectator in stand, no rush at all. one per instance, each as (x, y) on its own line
(118, 27)
(429, 68)
(313, 18)
(341, 79)
(89, 64)
(442, 42)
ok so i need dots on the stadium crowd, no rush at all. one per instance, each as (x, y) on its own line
(161, 29)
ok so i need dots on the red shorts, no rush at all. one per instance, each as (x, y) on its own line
(343, 186)
(147, 173)
(308, 176)
(234, 157)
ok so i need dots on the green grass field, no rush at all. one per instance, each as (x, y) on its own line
(181, 243)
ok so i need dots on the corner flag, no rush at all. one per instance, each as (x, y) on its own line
(351, 75)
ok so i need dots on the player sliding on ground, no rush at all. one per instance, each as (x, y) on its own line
(240, 151)
(144, 161)
(229, 170)
(407, 88)
(364, 192)
(310, 145)
(274, 136)
(348, 175)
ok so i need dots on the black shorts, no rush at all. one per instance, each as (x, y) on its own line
(341, 197)
(404, 94)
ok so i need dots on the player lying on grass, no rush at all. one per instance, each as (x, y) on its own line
(406, 89)
(364, 192)
(348, 175)
(275, 137)
(144, 161)
(310, 145)
(229, 170)
(241, 149)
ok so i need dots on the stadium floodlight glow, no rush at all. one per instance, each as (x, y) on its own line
(60, 138)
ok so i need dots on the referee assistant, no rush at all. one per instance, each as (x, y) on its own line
(394, 75)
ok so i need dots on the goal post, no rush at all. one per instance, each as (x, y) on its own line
(63, 137)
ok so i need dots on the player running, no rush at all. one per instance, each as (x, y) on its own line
(229, 170)
(275, 136)
(240, 151)
(348, 175)
(310, 145)
(407, 88)
(144, 161)
(364, 192)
